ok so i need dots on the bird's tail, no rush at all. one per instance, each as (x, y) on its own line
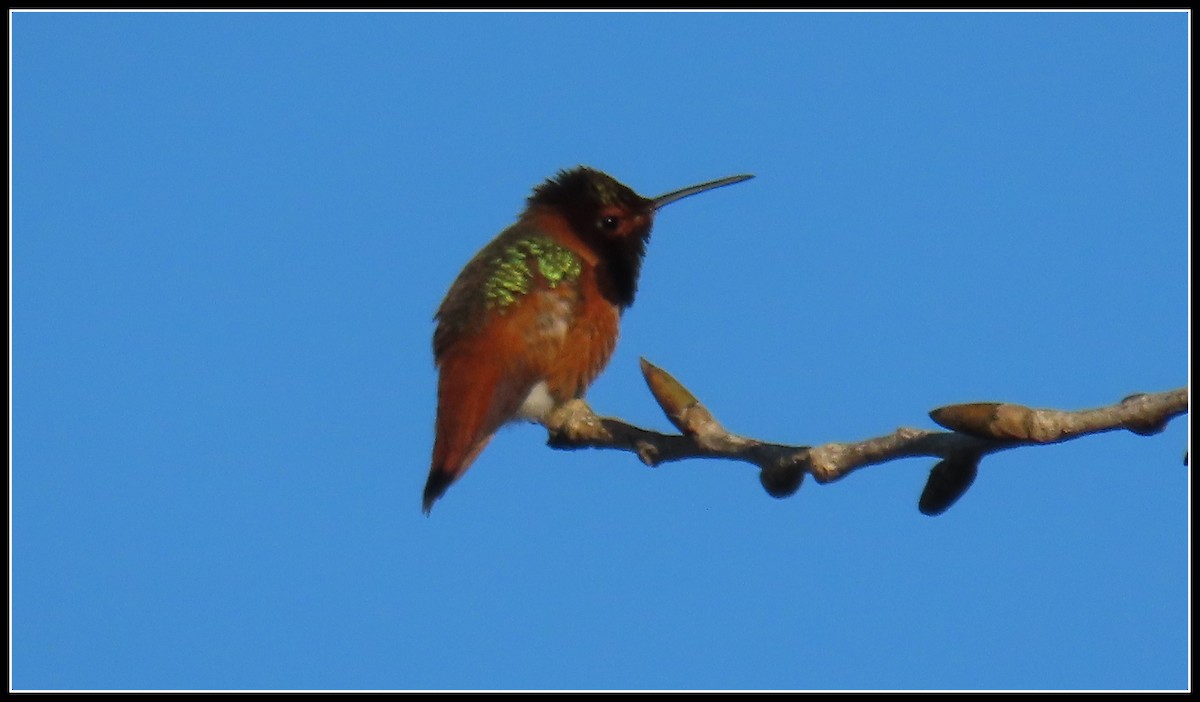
(467, 419)
(449, 463)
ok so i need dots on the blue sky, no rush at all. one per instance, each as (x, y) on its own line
(230, 232)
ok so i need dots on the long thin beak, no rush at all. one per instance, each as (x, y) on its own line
(663, 200)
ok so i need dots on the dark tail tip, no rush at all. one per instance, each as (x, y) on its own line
(435, 487)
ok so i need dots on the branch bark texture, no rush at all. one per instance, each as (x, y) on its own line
(975, 430)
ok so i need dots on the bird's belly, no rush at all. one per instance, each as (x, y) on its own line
(537, 403)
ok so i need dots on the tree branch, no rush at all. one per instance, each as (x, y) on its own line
(976, 430)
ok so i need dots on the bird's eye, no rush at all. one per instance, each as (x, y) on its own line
(609, 224)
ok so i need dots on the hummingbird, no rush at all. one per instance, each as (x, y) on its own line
(533, 318)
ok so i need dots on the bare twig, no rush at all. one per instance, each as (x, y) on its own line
(976, 430)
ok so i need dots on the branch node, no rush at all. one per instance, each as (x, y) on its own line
(824, 462)
(648, 453)
(1143, 425)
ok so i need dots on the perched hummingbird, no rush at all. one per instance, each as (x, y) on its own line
(533, 318)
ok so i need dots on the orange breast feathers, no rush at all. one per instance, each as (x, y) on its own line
(562, 336)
